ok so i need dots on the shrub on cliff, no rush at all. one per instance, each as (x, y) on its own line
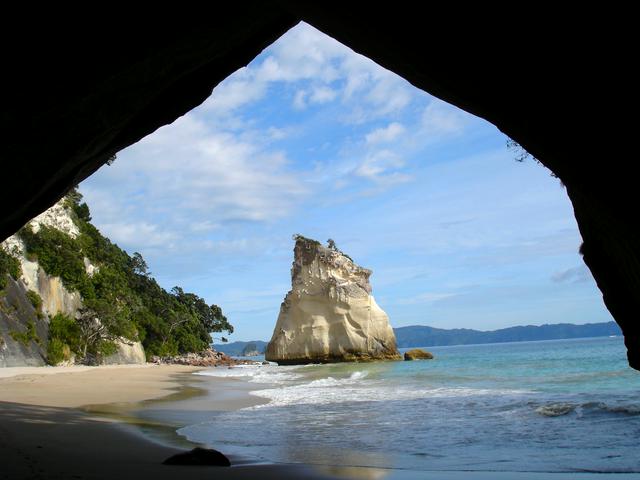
(36, 301)
(9, 265)
(58, 255)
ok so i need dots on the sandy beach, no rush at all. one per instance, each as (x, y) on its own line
(50, 428)
(44, 435)
(67, 422)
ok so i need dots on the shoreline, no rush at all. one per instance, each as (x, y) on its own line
(112, 437)
(75, 422)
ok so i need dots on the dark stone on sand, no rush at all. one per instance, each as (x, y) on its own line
(199, 456)
(418, 354)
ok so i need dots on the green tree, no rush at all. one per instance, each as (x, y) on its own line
(138, 265)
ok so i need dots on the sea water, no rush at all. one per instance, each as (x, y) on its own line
(553, 406)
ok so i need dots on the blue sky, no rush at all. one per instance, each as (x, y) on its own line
(315, 139)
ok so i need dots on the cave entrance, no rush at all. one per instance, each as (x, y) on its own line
(312, 138)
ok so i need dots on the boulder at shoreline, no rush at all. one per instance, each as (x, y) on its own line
(418, 354)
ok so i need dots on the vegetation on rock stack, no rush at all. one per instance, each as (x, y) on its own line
(120, 298)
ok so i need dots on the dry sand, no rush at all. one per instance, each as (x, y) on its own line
(73, 387)
(44, 436)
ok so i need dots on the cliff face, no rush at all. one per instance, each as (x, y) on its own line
(329, 315)
(17, 312)
(55, 297)
(23, 333)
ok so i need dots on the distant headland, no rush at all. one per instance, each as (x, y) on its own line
(425, 336)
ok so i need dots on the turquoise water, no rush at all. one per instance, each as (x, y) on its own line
(555, 406)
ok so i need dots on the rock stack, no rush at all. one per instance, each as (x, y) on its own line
(329, 315)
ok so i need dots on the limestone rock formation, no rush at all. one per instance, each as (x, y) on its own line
(329, 315)
(56, 298)
(418, 354)
(126, 352)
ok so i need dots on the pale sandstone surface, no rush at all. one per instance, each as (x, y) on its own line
(329, 315)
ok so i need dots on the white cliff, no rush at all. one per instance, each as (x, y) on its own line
(56, 298)
(56, 217)
(329, 315)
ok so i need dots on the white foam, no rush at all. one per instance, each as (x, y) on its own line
(357, 388)
(270, 374)
(290, 385)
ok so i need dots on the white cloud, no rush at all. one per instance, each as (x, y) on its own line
(303, 53)
(440, 119)
(389, 94)
(382, 167)
(185, 170)
(205, 226)
(143, 235)
(277, 133)
(299, 102)
(360, 73)
(240, 89)
(386, 134)
(292, 62)
(304, 56)
(322, 95)
(428, 297)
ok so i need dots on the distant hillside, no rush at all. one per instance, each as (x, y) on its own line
(237, 348)
(423, 336)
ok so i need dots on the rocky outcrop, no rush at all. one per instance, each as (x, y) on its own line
(127, 352)
(329, 315)
(23, 332)
(251, 350)
(56, 298)
(207, 358)
(56, 217)
(250, 353)
(418, 354)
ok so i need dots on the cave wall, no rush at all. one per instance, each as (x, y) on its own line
(78, 91)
